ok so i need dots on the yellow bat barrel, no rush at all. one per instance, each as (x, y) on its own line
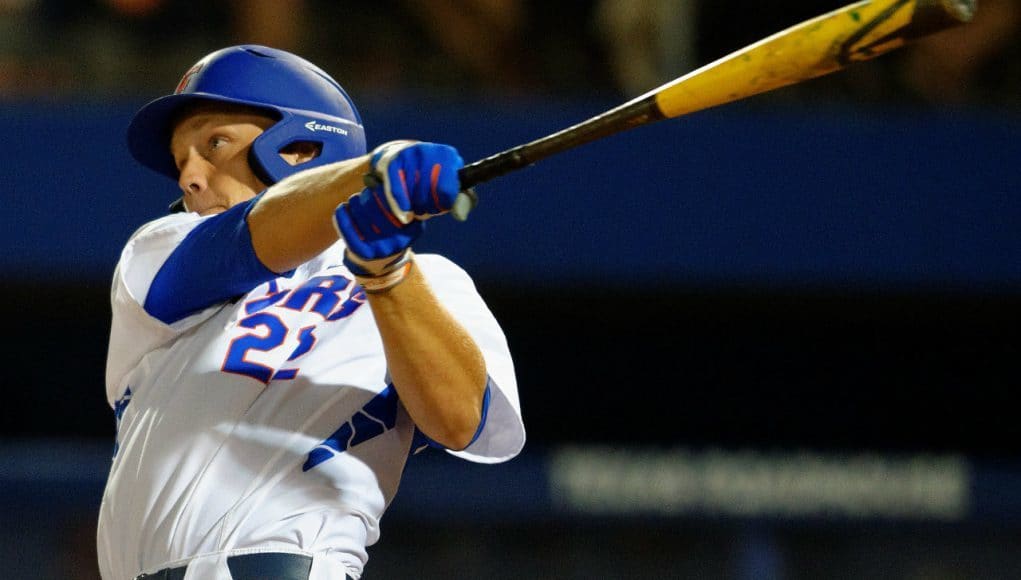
(824, 44)
(813, 48)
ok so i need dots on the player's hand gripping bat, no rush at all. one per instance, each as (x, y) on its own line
(815, 47)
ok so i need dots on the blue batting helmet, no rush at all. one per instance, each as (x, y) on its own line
(308, 105)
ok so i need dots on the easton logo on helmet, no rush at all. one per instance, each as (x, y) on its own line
(186, 78)
(313, 126)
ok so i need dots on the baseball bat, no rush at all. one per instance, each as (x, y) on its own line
(815, 47)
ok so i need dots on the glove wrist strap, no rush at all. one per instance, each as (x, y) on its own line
(379, 276)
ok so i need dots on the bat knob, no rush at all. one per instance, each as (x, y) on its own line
(463, 204)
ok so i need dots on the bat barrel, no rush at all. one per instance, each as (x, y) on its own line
(857, 32)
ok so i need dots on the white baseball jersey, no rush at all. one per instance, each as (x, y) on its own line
(266, 423)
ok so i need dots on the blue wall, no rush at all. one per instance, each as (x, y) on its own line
(747, 196)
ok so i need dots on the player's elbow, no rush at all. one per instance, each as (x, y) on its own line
(457, 431)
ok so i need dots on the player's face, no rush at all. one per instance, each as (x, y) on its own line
(210, 148)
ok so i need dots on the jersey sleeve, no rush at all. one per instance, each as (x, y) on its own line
(133, 331)
(503, 435)
(214, 263)
(174, 272)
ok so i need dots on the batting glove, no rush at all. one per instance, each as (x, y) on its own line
(409, 182)
(419, 180)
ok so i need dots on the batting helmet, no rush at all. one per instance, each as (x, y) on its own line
(308, 105)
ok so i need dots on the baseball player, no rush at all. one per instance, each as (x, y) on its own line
(277, 350)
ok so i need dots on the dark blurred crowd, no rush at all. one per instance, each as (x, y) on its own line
(484, 47)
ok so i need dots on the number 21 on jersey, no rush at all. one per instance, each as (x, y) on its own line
(331, 297)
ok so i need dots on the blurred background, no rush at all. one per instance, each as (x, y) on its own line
(777, 339)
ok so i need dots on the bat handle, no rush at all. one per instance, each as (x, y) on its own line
(480, 171)
(493, 166)
(631, 114)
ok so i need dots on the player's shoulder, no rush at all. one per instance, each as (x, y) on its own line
(154, 240)
(163, 224)
(163, 232)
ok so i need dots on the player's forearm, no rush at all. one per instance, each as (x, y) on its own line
(436, 367)
(293, 221)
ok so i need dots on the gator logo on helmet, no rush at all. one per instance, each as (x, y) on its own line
(187, 78)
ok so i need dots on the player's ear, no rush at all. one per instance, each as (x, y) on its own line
(301, 152)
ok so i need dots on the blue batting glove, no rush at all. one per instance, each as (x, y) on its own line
(371, 230)
(409, 183)
(419, 180)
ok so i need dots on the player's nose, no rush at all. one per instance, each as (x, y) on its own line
(194, 178)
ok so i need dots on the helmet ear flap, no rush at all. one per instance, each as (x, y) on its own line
(337, 139)
(256, 154)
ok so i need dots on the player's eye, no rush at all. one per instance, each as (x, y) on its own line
(217, 142)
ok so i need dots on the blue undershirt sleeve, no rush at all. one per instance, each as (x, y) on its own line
(214, 263)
